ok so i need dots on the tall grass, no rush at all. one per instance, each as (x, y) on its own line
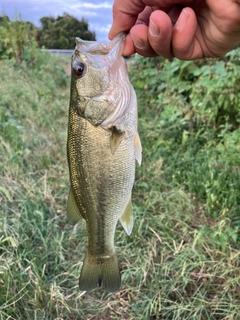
(181, 261)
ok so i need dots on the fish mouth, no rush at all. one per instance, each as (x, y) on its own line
(102, 48)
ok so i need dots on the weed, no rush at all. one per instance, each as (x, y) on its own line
(182, 259)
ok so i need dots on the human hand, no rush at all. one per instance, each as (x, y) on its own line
(195, 29)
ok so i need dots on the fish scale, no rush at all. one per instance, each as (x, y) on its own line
(102, 148)
(90, 194)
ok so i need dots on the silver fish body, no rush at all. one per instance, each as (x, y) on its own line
(103, 144)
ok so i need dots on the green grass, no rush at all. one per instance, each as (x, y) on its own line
(182, 260)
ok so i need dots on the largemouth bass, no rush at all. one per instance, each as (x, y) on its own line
(102, 146)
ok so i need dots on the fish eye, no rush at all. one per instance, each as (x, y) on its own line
(79, 69)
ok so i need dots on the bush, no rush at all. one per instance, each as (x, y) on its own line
(190, 114)
(17, 39)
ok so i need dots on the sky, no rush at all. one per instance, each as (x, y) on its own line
(98, 13)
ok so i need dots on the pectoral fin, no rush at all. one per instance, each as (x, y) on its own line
(138, 149)
(73, 214)
(116, 138)
(126, 218)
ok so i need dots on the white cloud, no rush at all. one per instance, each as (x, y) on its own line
(97, 6)
(88, 5)
(103, 29)
(89, 14)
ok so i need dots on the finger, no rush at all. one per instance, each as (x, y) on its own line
(125, 14)
(166, 3)
(186, 37)
(143, 17)
(160, 33)
(139, 35)
(129, 48)
(174, 13)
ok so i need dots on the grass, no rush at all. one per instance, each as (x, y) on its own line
(181, 261)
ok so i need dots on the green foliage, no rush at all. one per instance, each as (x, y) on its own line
(192, 122)
(60, 33)
(17, 39)
(182, 259)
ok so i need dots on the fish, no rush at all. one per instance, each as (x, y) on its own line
(102, 146)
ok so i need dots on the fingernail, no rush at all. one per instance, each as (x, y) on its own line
(140, 22)
(182, 20)
(138, 42)
(154, 30)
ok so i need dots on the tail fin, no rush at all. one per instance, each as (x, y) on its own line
(98, 270)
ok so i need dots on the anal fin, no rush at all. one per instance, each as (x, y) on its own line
(126, 218)
(73, 214)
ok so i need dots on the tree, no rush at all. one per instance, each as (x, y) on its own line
(14, 36)
(60, 33)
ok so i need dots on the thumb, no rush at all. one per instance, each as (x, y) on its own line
(125, 14)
